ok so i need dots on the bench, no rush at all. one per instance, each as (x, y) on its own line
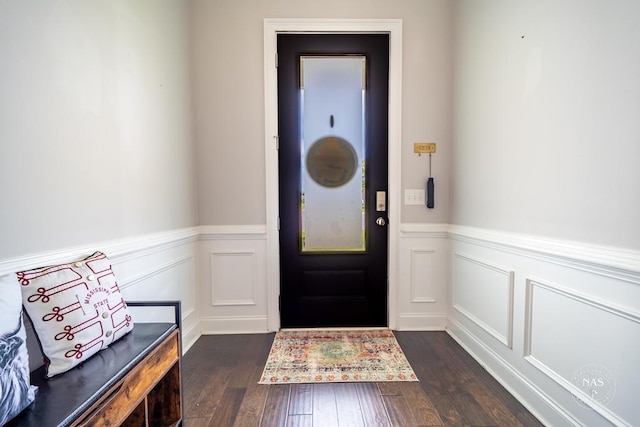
(135, 381)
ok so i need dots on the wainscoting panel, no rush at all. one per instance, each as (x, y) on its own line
(238, 267)
(233, 295)
(575, 312)
(160, 266)
(422, 283)
(422, 286)
(557, 323)
(164, 272)
(595, 339)
(483, 293)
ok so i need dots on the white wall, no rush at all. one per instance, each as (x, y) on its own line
(544, 242)
(228, 91)
(95, 122)
(547, 102)
(96, 147)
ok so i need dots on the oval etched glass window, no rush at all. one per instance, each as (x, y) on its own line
(332, 161)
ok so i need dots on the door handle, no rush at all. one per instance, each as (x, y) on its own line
(381, 221)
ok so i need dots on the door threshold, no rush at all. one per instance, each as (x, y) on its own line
(336, 328)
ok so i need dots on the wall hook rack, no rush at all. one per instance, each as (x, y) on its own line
(427, 148)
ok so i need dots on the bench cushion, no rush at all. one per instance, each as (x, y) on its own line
(16, 393)
(63, 398)
(76, 310)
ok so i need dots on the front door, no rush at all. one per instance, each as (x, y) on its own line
(332, 160)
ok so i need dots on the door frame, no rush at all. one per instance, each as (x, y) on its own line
(272, 27)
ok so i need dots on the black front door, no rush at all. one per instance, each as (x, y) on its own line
(333, 178)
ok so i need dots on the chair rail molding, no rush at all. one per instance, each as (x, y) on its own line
(117, 249)
(619, 263)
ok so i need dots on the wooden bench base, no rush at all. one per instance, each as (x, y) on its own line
(136, 381)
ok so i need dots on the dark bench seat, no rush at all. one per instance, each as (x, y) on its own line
(66, 398)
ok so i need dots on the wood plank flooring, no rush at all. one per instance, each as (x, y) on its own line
(220, 375)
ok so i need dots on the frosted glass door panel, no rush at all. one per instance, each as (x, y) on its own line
(332, 123)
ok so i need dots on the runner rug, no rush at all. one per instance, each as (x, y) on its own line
(337, 355)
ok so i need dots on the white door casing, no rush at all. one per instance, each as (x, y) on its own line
(273, 26)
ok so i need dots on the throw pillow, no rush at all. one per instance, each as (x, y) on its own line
(76, 310)
(16, 391)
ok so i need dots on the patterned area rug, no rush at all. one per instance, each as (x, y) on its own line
(337, 355)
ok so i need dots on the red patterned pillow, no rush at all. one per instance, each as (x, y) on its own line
(76, 310)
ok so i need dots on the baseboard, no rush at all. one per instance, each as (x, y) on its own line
(422, 322)
(530, 396)
(190, 335)
(233, 325)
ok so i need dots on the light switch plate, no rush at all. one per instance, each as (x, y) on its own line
(414, 197)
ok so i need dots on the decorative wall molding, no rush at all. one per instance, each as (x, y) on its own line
(593, 276)
(233, 291)
(565, 292)
(233, 232)
(141, 277)
(519, 385)
(575, 391)
(230, 266)
(472, 313)
(117, 250)
(137, 247)
(417, 230)
(427, 296)
(614, 262)
(611, 311)
(142, 258)
(589, 320)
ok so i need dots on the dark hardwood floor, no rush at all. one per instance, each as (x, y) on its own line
(220, 375)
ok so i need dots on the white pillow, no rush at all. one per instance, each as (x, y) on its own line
(76, 310)
(16, 391)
